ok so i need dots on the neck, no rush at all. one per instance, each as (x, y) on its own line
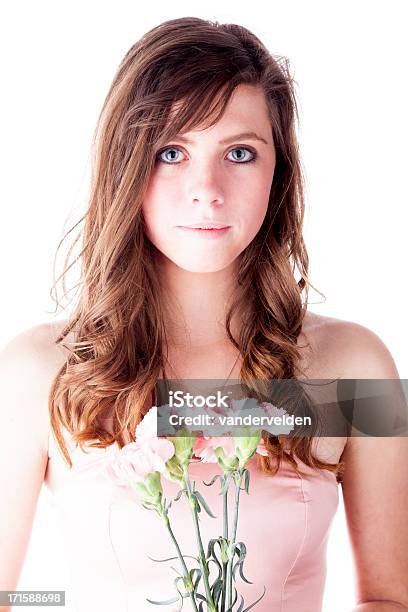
(195, 305)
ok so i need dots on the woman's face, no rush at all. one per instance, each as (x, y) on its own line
(221, 175)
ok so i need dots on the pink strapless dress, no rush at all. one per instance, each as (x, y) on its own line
(284, 522)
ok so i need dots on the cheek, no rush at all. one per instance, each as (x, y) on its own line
(157, 210)
(254, 205)
(148, 215)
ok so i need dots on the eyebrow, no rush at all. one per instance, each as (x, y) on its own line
(242, 135)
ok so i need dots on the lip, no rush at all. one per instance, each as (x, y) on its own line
(215, 232)
(205, 225)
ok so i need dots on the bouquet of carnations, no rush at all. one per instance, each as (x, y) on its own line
(143, 463)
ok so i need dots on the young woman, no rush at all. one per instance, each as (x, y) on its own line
(197, 131)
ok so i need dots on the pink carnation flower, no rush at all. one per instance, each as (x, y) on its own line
(147, 428)
(135, 461)
(261, 448)
(204, 447)
(138, 459)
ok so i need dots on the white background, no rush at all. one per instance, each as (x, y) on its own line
(349, 60)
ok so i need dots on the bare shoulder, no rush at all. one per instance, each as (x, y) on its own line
(38, 345)
(29, 363)
(345, 349)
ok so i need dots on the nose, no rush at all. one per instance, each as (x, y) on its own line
(205, 188)
(217, 201)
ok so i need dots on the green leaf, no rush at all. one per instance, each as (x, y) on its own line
(201, 597)
(255, 602)
(242, 551)
(242, 574)
(208, 484)
(233, 603)
(179, 494)
(247, 476)
(182, 595)
(199, 574)
(225, 484)
(210, 547)
(217, 590)
(215, 560)
(163, 603)
(241, 605)
(169, 558)
(204, 503)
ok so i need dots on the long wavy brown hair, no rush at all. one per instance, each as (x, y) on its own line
(179, 75)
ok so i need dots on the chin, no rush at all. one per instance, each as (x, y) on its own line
(202, 266)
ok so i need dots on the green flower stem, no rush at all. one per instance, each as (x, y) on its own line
(183, 563)
(237, 479)
(225, 513)
(225, 535)
(202, 557)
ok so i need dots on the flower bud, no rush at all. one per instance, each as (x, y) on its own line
(173, 470)
(246, 444)
(226, 462)
(183, 445)
(150, 488)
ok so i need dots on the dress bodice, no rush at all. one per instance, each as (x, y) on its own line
(284, 522)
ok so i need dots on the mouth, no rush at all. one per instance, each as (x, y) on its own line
(205, 226)
(209, 231)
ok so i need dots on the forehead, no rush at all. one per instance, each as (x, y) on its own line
(246, 111)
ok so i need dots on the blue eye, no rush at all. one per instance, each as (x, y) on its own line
(165, 151)
(159, 158)
(245, 161)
